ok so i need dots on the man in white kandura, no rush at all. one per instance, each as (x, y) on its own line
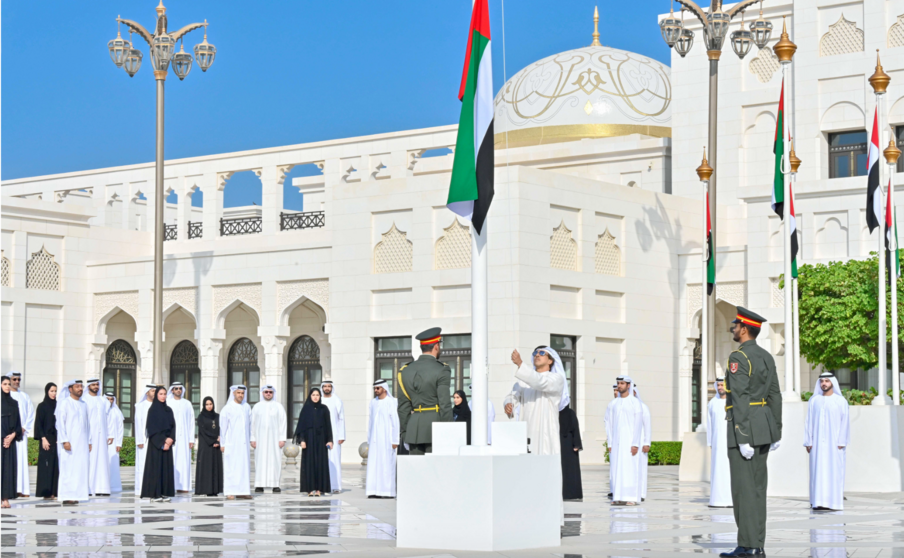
(268, 436)
(184, 414)
(826, 436)
(115, 422)
(139, 422)
(540, 390)
(607, 419)
(235, 444)
(382, 442)
(717, 439)
(73, 447)
(645, 448)
(99, 459)
(624, 431)
(512, 412)
(337, 423)
(491, 415)
(27, 416)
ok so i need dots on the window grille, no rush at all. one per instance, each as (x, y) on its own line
(245, 225)
(298, 221)
(195, 229)
(42, 272)
(169, 232)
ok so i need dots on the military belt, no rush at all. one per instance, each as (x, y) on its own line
(763, 402)
(435, 408)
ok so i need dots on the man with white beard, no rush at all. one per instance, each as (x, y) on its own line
(625, 434)
(382, 442)
(717, 439)
(73, 445)
(337, 423)
(826, 436)
(115, 422)
(235, 444)
(268, 436)
(140, 420)
(184, 414)
(27, 416)
(540, 389)
(99, 460)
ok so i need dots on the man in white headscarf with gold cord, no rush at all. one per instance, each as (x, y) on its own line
(826, 436)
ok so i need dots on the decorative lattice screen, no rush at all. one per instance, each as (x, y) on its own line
(563, 250)
(608, 255)
(42, 272)
(453, 249)
(6, 270)
(843, 38)
(764, 65)
(394, 253)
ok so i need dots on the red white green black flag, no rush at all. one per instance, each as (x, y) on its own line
(892, 250)
(778, 182)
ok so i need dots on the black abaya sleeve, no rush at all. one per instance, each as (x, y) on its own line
(576, 428)
(327, 426)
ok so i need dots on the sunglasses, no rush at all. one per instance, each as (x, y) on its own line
(541, 352)
(266, 392)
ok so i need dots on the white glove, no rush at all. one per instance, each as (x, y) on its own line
(775, 446)
(746, 451)
(406, 446)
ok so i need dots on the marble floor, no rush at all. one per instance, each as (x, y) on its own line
(674, 520)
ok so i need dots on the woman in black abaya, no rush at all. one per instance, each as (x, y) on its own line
(461, 412)
(315, 436)
(209, 474)
(11, 430)
(46, 435)
(570, 431)
(159, 483)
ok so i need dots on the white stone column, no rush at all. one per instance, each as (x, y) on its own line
(210, 350)
(95, 360)
(183, 208)
(272, 179)
(213, 186)
(685, 389)
(146, 362)
(274, 370)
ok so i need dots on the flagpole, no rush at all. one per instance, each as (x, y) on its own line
(891, 156)
(704, 172)
(479, 335)
(795, 296)
(879, 81)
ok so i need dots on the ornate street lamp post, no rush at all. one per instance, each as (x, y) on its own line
(715, 29)
(162, 45)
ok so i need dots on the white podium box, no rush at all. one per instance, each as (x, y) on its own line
(789, 469)
(695, 458)
(495, 499)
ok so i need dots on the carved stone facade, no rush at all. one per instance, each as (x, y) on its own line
(395, 253)
(185, 297)
(7, 270)
(224, 295)
(127, 301)
(896, 33)
(777, 295)
(42, 272)
(734, 293)
(316, 290)
(842, 38)
(764, 65)
(563, 250)
(607, 256)
(453, 249)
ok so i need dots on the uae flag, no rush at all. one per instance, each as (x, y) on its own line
(471, 189)
(710, 260)
(778, 182)
(873, 196)
(892, 252)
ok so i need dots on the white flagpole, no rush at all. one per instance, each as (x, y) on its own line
(895, 363)
(786, 228)
(479, 335)
(795, 300)
(881, 398)
(704, 317)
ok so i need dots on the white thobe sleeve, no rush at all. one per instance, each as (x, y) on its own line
(545, 382)
(808, 424)
(63, 424)
(647, 426)
(140, 420)
(115, 428)
(256, 413)
(339, 434)
(29, 423)
(608, 420)
(844, 428)
(638, 425)
(514, 396)
(711, 419)
(281, 433)
(224, 428)
(396, 427)
(370, 422)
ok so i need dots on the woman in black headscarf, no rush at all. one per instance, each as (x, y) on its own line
(46, 435)
(159, 483)
(461, 412)
(209, 473)
(11, 431)
(315, 436)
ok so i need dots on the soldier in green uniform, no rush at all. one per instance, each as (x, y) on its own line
(754, 414)
(424, 394)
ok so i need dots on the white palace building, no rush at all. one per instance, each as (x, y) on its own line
(594, 235)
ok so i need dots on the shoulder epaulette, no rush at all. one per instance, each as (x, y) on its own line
(404, 365)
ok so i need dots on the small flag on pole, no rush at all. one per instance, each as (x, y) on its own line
(873, 200)
(710, 260)
(471, 189)
(893, 254)
(778, 182)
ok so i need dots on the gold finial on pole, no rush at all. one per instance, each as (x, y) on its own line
(795, 160)
(161, 9)
(596, 27)
(704, 171)
(784, 49)
(892, 152)
(879, 80)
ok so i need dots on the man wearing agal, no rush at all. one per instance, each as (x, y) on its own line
(754, 414)
(424, 396)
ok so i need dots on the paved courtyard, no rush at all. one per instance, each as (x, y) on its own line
(674, 519)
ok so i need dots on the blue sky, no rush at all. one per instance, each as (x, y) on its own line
(286, 72)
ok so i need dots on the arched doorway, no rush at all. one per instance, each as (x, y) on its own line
(184, 368)
(242, 368)
(304, 373)
(119, 377)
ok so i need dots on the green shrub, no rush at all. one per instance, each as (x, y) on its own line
(805, 396)
(32, 451)
(126, 454)
(661, 453)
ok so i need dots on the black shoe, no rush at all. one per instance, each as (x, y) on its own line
(259, 490)
(276, 490)
(758, 551)
(739, 551)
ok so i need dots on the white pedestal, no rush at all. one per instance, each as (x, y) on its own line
(789, 469)
(695, 458)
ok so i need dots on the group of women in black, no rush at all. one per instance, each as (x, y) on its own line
(45, 434)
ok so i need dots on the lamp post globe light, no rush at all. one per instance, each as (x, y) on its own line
(162, 45)
(716, 23)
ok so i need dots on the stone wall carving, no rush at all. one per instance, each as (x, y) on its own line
(694, 302)
(764, 65)
(607, 256)
(563, 250)
(734, 293)
(224, 295)
(393, 254)
(317, 290)
(186, 297)
(127, 301)
(453, 249)
(42, 271)
(7, 270)
(896, 33)
(842, 38)
(777, 295)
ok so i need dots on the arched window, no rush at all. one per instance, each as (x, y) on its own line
(119, 378)
(184, 368)
(242, 368)
(304, 373)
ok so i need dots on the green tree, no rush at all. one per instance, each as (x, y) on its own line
(839, 310)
